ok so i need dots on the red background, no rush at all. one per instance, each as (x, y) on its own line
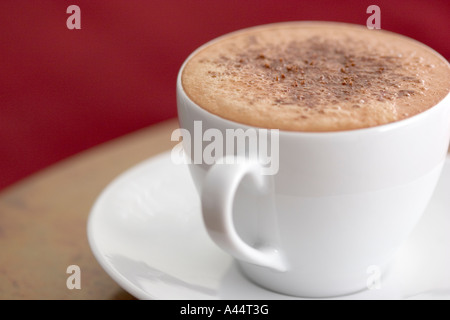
(63, 91)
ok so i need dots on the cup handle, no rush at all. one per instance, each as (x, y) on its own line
(217, 197)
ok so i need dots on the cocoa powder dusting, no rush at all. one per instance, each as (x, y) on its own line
(336, 68)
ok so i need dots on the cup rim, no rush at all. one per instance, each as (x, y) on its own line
(383, 127)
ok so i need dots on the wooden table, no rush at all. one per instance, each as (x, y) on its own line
(43, 220)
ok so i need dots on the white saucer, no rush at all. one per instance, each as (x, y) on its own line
(146, 231)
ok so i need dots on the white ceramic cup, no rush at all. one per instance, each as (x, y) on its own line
(340, 204)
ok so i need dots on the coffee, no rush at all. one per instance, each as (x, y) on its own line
(315, 76)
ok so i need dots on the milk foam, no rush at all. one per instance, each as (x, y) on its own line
(309, 76)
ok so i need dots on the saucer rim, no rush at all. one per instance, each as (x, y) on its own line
(118, 277)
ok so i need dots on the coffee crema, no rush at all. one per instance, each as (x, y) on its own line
(315, 76)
